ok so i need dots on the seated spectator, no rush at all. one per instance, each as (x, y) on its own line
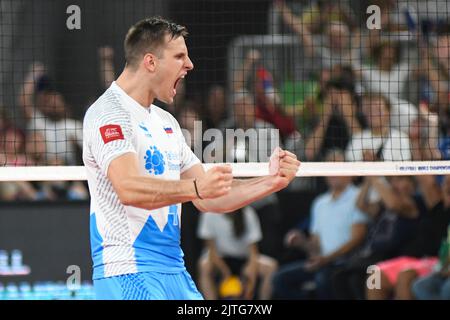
(379, 141)
(436, 286)
(393, 219)
(388, 74)
(51, 190)
(231, 241)
(338, 123)
(12, 147)
(338, 227)
(418, 258)
(48, 113)
(251, 140)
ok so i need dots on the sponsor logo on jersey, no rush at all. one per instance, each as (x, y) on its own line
(146, 131)
(111, 132)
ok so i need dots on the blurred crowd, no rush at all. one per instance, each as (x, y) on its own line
(367, 95)
(373, 96)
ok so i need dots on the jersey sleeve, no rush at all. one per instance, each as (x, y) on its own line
(110, 136)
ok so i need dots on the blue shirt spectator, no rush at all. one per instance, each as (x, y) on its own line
(332, 219)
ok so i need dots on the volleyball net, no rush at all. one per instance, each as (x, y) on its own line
(352, 88)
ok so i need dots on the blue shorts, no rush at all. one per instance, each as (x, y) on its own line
(147, 286)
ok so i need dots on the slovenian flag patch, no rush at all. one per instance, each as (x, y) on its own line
(168, 130)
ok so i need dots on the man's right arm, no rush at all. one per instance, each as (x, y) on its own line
(134, 189)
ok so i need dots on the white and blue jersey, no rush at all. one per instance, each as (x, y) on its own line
(127, 240)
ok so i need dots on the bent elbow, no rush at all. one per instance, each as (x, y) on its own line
(209, 207)
(393, 206)
(125, 196)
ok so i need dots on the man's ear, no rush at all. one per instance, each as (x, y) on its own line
(150, 62)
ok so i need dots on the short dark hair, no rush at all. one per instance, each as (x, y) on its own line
(148, 35)
(377, 50)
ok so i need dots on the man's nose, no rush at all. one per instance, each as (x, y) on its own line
(189, 64)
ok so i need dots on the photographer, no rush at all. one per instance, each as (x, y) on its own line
(338, 121)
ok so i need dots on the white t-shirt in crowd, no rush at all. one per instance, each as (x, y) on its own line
(396, 146)
(219, 227)
(60, 136)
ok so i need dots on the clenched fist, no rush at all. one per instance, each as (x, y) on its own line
(216, 182)
(284, 166)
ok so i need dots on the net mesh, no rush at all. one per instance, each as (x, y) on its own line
(352, 87)
(327, 80)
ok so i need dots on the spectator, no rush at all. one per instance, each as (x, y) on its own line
(187, 117)
(216, 111)
(255, 138)
(337, 228)
(338, 46)
(436, 286)
(387, 75)
(231, 241)
(393, 219)
(12, 146)
(107, 70)
(338, 123)
(48, 114)
(267, 100)
(380, 141)
(435, 69)
(424, 136)
(418, 258)
(320, 13)
(51, 190)
(392, 14)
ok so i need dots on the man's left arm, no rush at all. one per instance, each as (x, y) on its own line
(358, 234)
(284, 166)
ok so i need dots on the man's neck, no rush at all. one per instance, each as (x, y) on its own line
(134, 86)
(336, 193)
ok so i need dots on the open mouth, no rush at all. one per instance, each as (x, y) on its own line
(176, 83)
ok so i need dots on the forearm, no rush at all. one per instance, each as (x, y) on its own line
(416, 150)
(387, 196)
(361, 201)
(150, 193)
(397, 203)
(242, 193)
(343, 250)
(314, 142)
(291, 20)
(312, 246)
(352, 125)
(25, 98)
(240, 75)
